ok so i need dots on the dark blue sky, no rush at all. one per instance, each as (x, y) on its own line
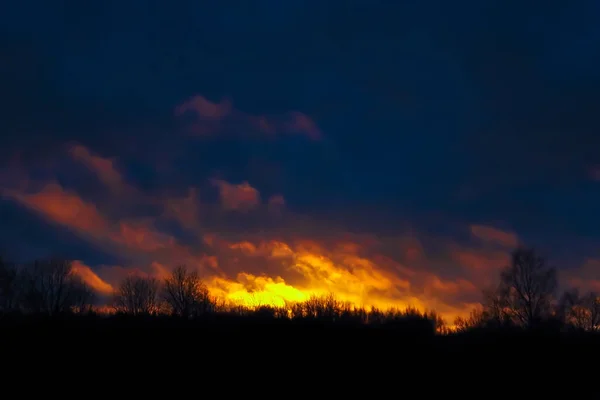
(434, 115)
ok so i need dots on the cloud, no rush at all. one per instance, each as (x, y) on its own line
(301, 124)
(136, 239)
(238, 197)
(184, 210)
(63, 207)
(103, 167)
(221, 118)
(277, 271)
(248, 258)
(205, 109)
(142, 237)
(363, 271)
(585, 277)
(494, 235)
(92, 279)
(481, 260)
(263, 265)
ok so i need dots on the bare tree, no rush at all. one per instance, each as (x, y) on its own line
(186, 294)
(326, 307)
(476, 319)
(137, 296)
(83, 297)
(10, 286)
(495, 311)
(580, 312)
(52, 287)
(591, 305)
(527, 288)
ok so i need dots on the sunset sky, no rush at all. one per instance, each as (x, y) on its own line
(391, 152)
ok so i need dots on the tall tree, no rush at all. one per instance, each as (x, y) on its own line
(10, 286)
(137, 295)
(51, 286)
(527, 288)
(185, 293)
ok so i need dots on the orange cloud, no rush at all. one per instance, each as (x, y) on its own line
(262, 270)
(92, 279)
(412, 248)
(276, 272)
(240, 197)
(490, 234)
(481, 264)
(184, 210)
(254, 291)
(436, 286)
(272, 267)
(212, 118)
(205, 108)
(63, 207)
(586, 277)
(134, 239)
(104, 168)
(141, 237)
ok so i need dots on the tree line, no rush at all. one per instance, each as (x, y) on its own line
(52, 286)
(525, 298)
(43, 287)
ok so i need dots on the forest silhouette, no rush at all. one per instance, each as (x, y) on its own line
(524, 309)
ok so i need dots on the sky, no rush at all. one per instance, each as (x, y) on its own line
(391, 152)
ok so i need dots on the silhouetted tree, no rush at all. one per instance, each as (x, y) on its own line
(476, 319)
(137, 295)
(439, 324)
(591, 303)
(10, 286)
(83, 298)
(526, 291)
(323, 308)
(495, 312)
(186, 294)
(51, 287)
(580, 312)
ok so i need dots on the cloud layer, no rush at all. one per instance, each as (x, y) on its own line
(252, 248)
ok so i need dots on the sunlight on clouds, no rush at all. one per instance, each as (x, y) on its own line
(91, 279)
(313, 271)
(266, 269)
(62, 207)
(254, 291)
(240, 197)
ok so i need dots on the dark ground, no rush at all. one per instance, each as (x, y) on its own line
(226, 356)
(250, 334)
